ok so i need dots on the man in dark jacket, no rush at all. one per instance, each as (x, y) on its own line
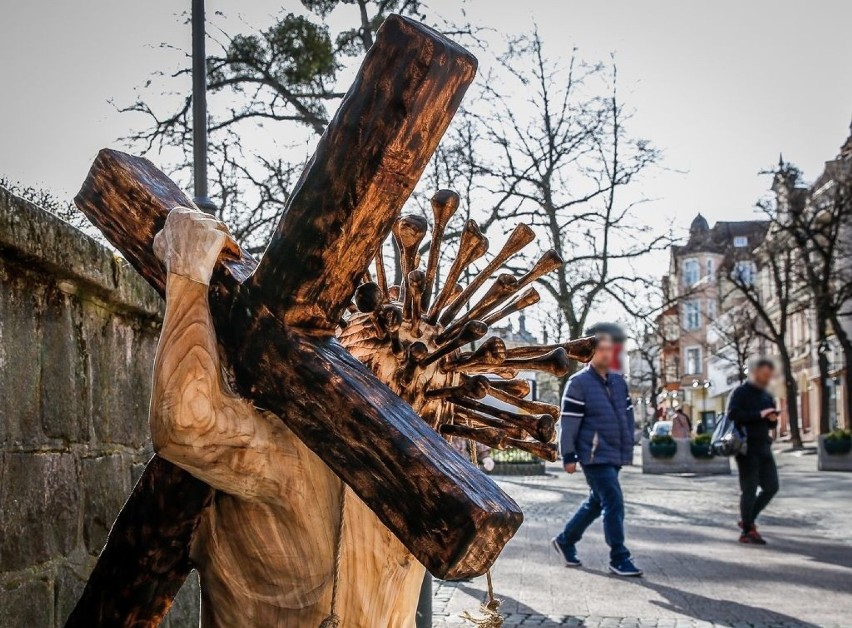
(753, 409)
(597, 431)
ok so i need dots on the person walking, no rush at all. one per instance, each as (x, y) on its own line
(597, 431)
(753, 409)
(681, 425)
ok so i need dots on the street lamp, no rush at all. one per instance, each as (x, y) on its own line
(199, 109)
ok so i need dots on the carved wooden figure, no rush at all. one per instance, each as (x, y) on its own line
(301, 466)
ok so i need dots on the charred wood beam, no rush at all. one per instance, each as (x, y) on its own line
(365, 167)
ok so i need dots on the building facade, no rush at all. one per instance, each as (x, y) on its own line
(698, 367)
(709, 332)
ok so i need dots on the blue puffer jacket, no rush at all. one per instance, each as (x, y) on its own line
(597, 420)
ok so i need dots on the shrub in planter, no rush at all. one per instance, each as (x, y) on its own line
(838, 442)
(700, 446)
(662, 446)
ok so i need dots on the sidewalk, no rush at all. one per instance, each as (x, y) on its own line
(682, 531)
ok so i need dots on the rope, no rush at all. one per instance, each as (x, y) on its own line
(333, 619)
(490, 609)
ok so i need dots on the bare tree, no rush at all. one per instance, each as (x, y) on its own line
(265, 78)
(737, 338)
(774, 297)
(562, 159)
(817, 223)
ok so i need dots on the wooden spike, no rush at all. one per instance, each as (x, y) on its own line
(411, 307)
(581, 349)
(548, 262)
(540, 426)
(381, 276)
(518, 239)
(415, 354)
(545, 451)
(504, 287)
(368, 297)
(408, 231)
(503, 372)
(477, 419)
(490, 436)
(473, 330)
(492, 352)
(444, 205)
(527, 405)
(474, 387)
(390, 319)
(514, 387)
(527, 298)
(556, 363)
(473, 245)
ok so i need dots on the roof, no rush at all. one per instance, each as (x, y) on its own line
(720, 238)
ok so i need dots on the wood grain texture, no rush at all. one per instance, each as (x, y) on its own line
(265, 548)
(365, 167)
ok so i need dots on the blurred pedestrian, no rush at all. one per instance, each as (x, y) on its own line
(753, 409)
(681, 425)
(597, 431)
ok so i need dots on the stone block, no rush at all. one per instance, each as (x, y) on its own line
(186, 609)
(105, 489)
(27, 605)
(63, 383)
(39, 505)
(120, 363)
(20, 355)
(68, 587)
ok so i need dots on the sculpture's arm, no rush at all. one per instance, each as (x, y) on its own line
(196, 423)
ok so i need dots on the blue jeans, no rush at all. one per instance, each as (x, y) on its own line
(605, 498)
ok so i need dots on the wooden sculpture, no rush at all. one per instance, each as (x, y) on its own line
(298, 407)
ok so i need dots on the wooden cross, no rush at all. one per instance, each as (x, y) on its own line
(275, 322)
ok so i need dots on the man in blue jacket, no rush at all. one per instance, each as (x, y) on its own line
(597, 431)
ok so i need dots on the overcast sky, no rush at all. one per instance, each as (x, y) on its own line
(722, 87)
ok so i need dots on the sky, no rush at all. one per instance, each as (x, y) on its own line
(721, 87)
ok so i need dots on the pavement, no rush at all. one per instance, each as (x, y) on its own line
(682, 532)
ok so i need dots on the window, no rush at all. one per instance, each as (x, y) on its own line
(744, 273)
(711, 268)
(711, 309)
(693, 361)
(740, 242)
(691, 315)
(691, 272)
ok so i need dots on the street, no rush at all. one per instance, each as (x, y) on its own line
(682, 532)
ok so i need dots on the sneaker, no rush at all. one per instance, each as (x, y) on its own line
(625, 568)
(752, 537)
(568, 555)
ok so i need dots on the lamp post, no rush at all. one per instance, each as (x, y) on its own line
(704, 385)
(199, 109)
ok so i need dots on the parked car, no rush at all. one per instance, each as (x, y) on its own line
(661, 428)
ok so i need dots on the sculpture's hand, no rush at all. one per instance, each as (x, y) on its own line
(190, 243)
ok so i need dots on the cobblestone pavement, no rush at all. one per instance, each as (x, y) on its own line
(682, 532)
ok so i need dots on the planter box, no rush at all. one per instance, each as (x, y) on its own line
(828, 462)
(518, 468)
(683, 461)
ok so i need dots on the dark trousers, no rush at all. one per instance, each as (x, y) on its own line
(758, 484)
(605, 498)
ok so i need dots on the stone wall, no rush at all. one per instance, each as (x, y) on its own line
(78, 330)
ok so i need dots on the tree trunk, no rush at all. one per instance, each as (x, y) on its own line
(822, 365)
(792, 393)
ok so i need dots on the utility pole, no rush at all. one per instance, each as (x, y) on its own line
(199, 109)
